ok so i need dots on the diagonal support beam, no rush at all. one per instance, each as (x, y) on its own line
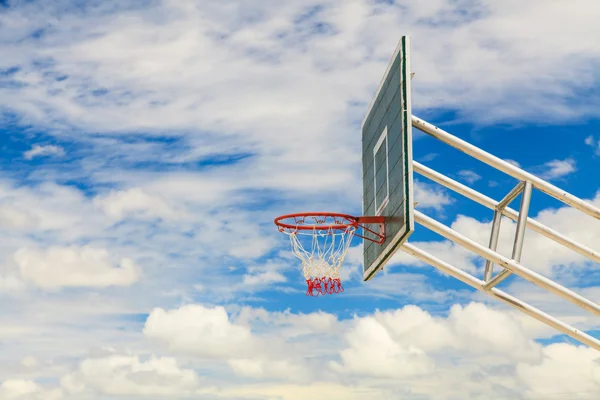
(502, 204)
(497, 279)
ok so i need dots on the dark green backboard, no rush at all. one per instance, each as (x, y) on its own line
(387, 160)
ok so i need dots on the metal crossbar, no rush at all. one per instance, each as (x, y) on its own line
(509, 265)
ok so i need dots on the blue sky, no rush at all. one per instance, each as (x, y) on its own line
(146, 147)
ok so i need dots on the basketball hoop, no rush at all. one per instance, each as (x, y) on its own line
(323, 254)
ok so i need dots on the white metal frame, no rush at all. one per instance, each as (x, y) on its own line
(512, 265)
(383, 138)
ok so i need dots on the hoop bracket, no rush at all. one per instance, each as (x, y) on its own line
(372, 220)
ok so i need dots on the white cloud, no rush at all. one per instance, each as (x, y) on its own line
(60, 210)
(566, 371)
(210, 333)
(429, 196)
(407, 350)
(29, 362)
(406, 344)
(429, 157)
(251, 246)
(122, 375)
(446, 250)
(159, 84)
(288, 391)
(200, 331)
(40, 151)
(410, 342)
(480, 329)
(59, 267)
(20, 389)
(134, 201)
(288, 324)
(12, 216)
(10, 283)
(382, 357)
(513, 162)
(595, 144)
(558, 168)
(263, 278)
(469, 176)
(261, 368)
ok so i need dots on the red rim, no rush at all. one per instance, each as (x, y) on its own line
(340, 221)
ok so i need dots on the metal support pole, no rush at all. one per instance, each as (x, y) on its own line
(502, 296)
(519, 236)
(506, 263)
(489, 266)
(505, 167)
(507, 212)
(521, 222)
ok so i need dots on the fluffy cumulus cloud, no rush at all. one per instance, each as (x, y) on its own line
(373, 352)
(211, 333)
(20, 389)
(409, 341)
(565, 370)
(59, 267)
(407, 350)
(205, 332)
(400, 353)
(128, 376)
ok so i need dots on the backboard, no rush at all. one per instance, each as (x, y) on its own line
(387, 160)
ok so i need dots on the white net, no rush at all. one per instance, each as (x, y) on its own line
(322, 258)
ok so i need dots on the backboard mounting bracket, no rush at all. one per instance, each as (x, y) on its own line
(368, 220)
(512, 265)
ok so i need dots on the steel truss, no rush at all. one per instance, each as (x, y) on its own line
(509, 265)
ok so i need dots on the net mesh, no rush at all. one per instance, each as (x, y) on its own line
(322, 257)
